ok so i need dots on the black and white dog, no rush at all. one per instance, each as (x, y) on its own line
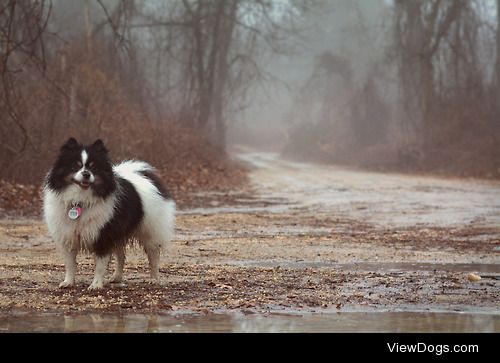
(95, 206)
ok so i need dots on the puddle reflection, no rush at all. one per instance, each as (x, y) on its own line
(336, 322)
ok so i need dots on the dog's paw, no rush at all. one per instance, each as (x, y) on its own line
(95, 285)
(65, 284)
(155, 275)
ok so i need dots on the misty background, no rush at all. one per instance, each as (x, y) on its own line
(388, 85)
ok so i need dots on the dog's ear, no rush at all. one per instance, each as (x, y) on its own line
(70, 144)
(98, 146)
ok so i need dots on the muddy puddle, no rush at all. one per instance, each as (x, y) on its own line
(347, 322)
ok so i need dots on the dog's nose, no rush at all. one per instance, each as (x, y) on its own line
(85, 174)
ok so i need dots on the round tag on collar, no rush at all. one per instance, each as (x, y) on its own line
(74, 213)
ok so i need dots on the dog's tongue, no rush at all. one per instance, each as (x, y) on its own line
(85, 185)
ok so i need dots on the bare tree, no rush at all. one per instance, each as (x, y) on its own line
(22, 52)
(497, 64)
(419, 30)
(216, 47)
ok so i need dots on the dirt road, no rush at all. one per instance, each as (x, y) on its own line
(301, 237)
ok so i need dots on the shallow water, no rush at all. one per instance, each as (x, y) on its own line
(343, 322)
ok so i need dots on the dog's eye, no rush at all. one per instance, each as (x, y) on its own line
(91, 164)
(79, 164)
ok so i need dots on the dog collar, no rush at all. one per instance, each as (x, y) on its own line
(75, 211)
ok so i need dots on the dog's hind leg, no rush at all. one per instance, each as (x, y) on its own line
(153, 251)
(120, 263)
(101, 266)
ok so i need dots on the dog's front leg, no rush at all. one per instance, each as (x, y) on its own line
(101, 266)
(120, 262)
(70, 266)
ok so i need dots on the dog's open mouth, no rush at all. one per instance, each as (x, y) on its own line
(84, 184)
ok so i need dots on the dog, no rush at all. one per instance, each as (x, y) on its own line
(91, 205)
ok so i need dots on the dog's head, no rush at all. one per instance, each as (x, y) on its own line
(87, 166)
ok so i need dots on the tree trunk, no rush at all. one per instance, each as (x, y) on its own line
(497, 67)
(428, 98)
(88, 29)
(223, 71)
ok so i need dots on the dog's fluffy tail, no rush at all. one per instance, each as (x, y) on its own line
(132, 166)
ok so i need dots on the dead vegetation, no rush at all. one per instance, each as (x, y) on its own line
(156, 81)
(88, 90)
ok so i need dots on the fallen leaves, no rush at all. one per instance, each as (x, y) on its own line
(20, 199)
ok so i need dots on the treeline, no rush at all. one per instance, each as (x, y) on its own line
(428, 98)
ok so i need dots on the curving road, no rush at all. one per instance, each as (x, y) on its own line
(392, 200)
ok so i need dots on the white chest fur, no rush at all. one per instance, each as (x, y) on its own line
(82, 232)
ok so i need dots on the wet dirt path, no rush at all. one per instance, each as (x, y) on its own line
(301, 237)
